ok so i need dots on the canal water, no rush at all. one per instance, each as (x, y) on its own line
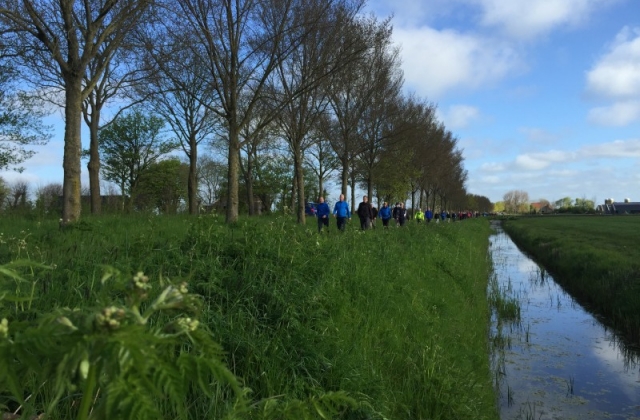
(558, 361)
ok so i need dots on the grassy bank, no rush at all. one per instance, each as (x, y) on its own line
(597, 259)
(291, 324)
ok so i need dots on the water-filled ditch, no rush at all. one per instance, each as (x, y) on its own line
(557, 361)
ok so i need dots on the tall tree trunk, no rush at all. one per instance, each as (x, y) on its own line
(232, 175)
(249, 184)
(353, 191)
(299, 176)
(71, 206)
(94, 161)
(345, 177)
(192, 183)
(294, 192)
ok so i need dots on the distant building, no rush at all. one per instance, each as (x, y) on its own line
(546, 209)
(625, 207)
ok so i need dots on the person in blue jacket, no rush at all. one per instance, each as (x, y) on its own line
(341, 213)
(322, 213)
(385, 214)
(428, 214)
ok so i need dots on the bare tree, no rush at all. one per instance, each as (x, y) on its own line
(321, 159)
(239, 42)
(515, 200)
(112, 80)
(211, 175)
(349, 92)
(299, 78)
(70, 34)
(176, 91)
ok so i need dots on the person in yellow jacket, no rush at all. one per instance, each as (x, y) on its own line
(419, 216)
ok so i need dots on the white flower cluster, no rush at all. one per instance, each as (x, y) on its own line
(110, 317)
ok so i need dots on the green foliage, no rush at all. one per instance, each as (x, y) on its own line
(596, 258)
(126, 356)
(20, 123)
(129, 146)
(381, 324)
(162, 186)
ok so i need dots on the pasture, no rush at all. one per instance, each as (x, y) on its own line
(596, 258)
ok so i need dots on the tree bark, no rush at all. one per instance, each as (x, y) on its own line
(232, 175)
(299, 176)
(192, 183)
(94, 161)
(71, 207)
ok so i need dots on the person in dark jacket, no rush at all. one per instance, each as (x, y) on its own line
(396, 213)
(341, 213)
(374, 213)
(365, 213)
(402, 214)
(385, 214)
(322, 213)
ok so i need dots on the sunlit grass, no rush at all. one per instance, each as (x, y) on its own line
(396, 319)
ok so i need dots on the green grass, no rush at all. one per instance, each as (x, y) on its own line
(596, 258)
(382, 324)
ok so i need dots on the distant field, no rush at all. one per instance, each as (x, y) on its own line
(596, 258)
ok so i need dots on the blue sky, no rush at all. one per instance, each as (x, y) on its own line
(543, 95)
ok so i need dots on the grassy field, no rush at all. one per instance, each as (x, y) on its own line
(596, 258)
(263, 319)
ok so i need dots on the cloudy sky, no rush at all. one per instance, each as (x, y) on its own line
(543, 95)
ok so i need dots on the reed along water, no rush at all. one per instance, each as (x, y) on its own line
(557, 361)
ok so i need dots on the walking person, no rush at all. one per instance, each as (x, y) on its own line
(322, 213)
(385, 214)
(341, 213)
(402, 215)
(396, 213)
(428, 215)
(419, 216)
(365, 213)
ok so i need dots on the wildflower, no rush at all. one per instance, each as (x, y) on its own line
(188, 324)
(110, 317)
(141, 284)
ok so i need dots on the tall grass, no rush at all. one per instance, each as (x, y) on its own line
(361, 325)
(596, 258)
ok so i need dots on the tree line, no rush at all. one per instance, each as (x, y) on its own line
(288, 91)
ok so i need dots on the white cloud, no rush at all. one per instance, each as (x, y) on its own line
(493, 167)
(617, 115)
(618, 149)
(526, 19)
(529, 163)
(438, 61)
(539, 135)
(617, 73)
(459, 116)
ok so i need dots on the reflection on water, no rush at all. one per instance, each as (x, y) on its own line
(558, 361)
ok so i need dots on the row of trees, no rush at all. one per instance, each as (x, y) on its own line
(517, 201)
(311, 82)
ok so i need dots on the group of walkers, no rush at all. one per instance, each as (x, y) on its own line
(369, 214)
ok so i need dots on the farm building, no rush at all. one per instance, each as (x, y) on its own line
(627, 206)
